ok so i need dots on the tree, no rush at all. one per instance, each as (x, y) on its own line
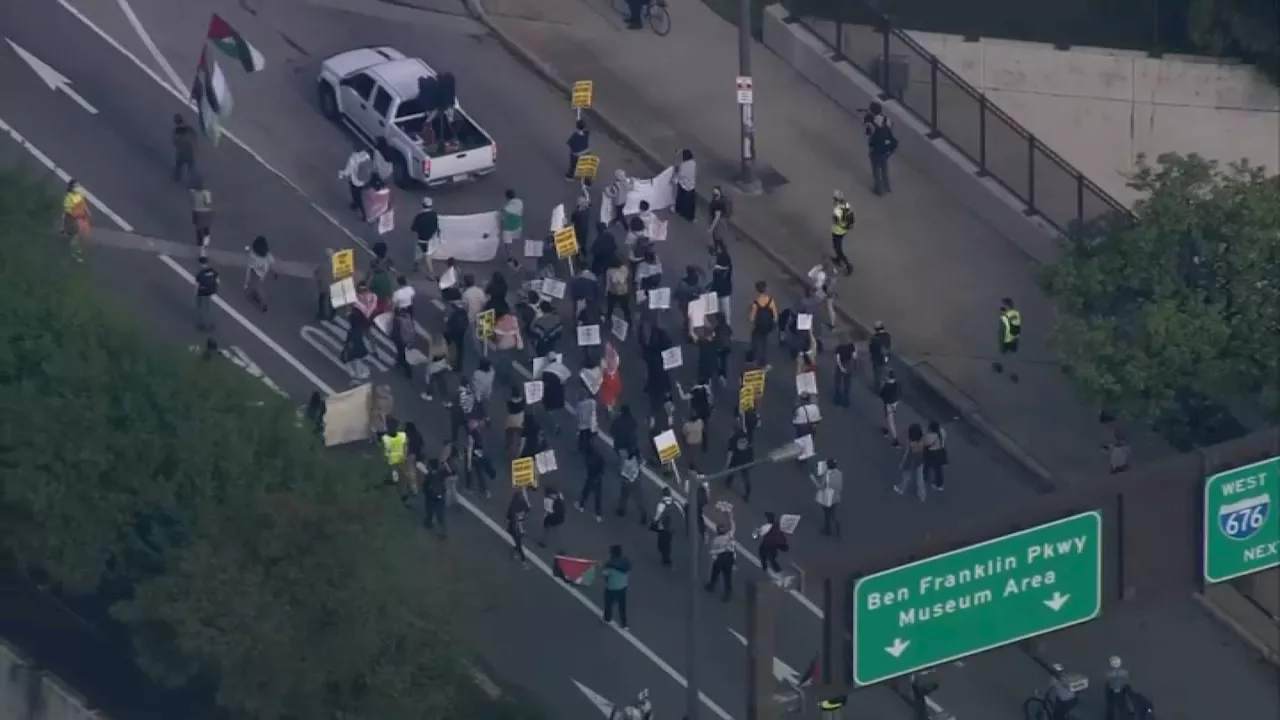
(1179, 312)
(1239, 27)
(241, 557)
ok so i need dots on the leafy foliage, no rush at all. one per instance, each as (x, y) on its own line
(241, 559)
(1160, 316)
(1250, 28)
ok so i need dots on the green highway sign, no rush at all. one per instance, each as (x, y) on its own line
(977, 598)
(1241, 530)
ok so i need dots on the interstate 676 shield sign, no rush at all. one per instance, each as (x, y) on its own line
(1241, 528)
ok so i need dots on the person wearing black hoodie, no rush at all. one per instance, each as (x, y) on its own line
(552, 516)
(772, 542)
(881, 143)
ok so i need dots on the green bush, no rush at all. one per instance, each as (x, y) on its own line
(239, 556)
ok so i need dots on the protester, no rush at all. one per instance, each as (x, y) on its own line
(426, 229)
(721, 210)
(763, 317)
(741, 453)
(685, 179)
(184, 139)
(664, 524)
(631, 490)
(579, 144)
(201, 211)
(830, 483)
(722, 284)
(879, 347)
(617, 576)
(890, 394)
(935, 455)
(479, 466)
(515, 420)
(206, 291)
(772, 542)
(355, 347)
(258, 271)
(517, 512)
(846, 356)
(592, 483)
(434, 491)
(724, 552)
(912, 463)
(553, 515)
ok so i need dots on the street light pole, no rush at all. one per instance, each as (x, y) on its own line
(693, 696)
(747, 182)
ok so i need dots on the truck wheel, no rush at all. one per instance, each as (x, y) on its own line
(328, 101)
(400, 172)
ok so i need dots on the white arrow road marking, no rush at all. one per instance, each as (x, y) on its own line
(604, 706)
(899, 645)
(782, 671)
(1056, 602)
(54, 79)
(537, 562)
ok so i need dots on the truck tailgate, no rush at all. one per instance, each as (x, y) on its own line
(479, 161)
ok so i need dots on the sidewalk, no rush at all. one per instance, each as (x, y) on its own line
(925, 264)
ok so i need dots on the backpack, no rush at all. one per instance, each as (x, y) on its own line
(766, 315)
(456, 324)
(882, 139)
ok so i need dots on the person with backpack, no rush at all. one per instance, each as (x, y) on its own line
(664, 524)
(764, 319)
(881, 143)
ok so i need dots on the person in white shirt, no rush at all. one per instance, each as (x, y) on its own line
(402, 298)
(473, 298)
(617, 194)
(724, 553)
(830, 482)
(356, 173)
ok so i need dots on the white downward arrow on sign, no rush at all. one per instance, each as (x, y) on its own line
(604, 706)
(54, 79)
(1056, 602)
(782, 671)
(899, 645)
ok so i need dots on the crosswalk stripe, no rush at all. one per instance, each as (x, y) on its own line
(330, 346)
(382, 343)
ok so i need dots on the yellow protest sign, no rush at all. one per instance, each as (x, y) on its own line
(587, 167)
(485, 322)
(669, 452)
(566, 242)
(522, 473)
(582, 92)
(667, 446)
(754, 379)
(746, 399)
(344, 264)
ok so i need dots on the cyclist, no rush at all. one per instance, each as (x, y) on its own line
(75, 216)
(1060, 697)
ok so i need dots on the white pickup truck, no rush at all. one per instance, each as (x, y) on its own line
(376, 92)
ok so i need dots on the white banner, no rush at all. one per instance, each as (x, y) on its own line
(468, 238)
(658, 191)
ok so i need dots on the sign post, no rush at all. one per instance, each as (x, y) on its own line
(977, 598)
(1241, 530)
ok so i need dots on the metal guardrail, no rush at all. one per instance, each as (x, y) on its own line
(1046, 184)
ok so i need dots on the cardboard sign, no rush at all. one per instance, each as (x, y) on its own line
(485, 323)
(533, 391)
(343, 292)
(620, 328)
(343, 263)
(754, 379)
(666, 445)
(657, 229)
(545, 462)
(533, 248)
(386, 222)
(804, 321)
(588, 335)
(788, 523)
(710, 303)
(807, 384)
(566, 242)
(660, 298)
(448, 278)
(523, 473)
(583, 90)
(672, 358)
(746, 399)
(587, 167)
(552, 287)
(593, 378)
(806, 447)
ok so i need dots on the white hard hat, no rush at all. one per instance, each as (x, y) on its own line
(1115, 662)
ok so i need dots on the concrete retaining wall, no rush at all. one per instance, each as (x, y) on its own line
(32, 695)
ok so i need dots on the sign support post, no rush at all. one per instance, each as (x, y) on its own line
(747, 182)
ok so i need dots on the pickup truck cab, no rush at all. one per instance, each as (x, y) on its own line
(377, 93)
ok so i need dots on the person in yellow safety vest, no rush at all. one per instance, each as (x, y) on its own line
(841, 223)
(75, 216)
(395, 448)
(1010, 330)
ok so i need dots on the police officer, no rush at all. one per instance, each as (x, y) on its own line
(395, 448)
(1116, 690)
(1010, 330)
(841, 223)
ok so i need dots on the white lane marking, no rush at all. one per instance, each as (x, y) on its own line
(240, 359)
(184, 97)
(782, 671)
(51, 77)
(327, 389)
(132, 17)
(596, 699)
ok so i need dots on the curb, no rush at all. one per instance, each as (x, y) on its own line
(1238, 628)
(919, 371)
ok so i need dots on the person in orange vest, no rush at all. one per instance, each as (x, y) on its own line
(75, 217)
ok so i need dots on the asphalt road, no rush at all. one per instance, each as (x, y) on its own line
(532, 632)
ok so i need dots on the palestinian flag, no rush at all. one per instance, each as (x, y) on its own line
(212, 97)
(234, 45)
(575, 571)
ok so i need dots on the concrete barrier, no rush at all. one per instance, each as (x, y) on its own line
(27, 692)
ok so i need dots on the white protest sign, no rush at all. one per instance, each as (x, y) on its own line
(383, 323)
(640, 296)
(806, 447)
(558, 221)
(697, 318)
(660, 298)
(533, 391)
(448, 278)
(553, 288)
(804, 321)
(710, 303)
(788, 523)
(807, 384)
(672, 358)
(342, 293)
(592, 378)
(657, 229)
(533, 248)
(588, 335)
(386, 222)
(665, 440)
(620, 328)
(545, 461)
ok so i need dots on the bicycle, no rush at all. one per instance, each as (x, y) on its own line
(654, 13)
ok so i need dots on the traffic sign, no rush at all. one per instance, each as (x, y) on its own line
(746, 90)
(977, 598)
(1241, 530)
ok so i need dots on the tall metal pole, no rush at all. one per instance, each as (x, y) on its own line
(748, 182)
(693, 701)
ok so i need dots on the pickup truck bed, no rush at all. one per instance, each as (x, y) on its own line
(460, 136)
